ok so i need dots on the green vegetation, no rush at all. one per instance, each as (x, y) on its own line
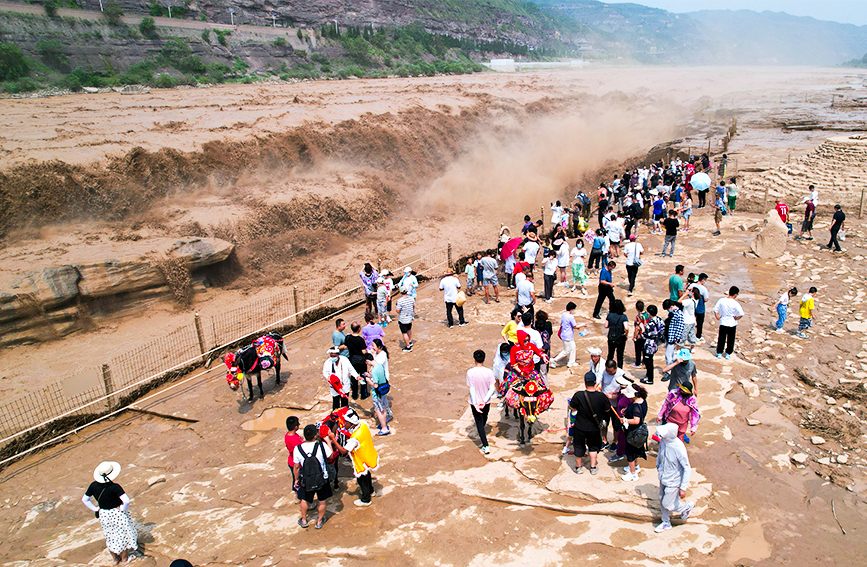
(52, 54)
(206, 36)
(113, 13)
(222, 35)
(300, 35)
(51, 8)
(158, 10)
(856, 62)
(148, 27)
(13, 65)
(280, 42)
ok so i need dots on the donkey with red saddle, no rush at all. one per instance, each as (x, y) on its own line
(264, 353)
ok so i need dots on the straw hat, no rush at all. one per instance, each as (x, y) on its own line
(106, 471)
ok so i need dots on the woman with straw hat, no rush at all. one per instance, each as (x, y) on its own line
(112, 505)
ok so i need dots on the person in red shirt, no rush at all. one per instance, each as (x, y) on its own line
(520, 265)
(292, 440)
(782, 210)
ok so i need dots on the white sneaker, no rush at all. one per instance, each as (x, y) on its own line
(552, 364)
(780, 331)
(637, 469)
(662, 527)
(685, 513)
(629, 477)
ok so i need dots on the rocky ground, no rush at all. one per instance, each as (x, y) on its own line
(775, 459)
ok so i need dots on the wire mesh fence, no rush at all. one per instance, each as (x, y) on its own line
(28, 420)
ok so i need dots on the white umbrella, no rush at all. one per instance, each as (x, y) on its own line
(700, 181)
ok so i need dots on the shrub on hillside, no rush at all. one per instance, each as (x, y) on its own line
(206, 36)
(52, 54)
(50, 8)
(13, 65)
(148, 27)
(113, 13)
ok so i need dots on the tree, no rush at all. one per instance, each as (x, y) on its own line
(113, 13)
(12, 63)
(148, 27)
(50, 8)
(52, 53)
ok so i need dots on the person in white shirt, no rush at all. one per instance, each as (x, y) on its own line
(525, 294)
(728, 312)
(563, 262)
(534, 336)
(321, 451)
(482, 385)
(409, 282)
(579, 266)
(567, 335)
(531, 250)
(689, 301)
(633, 252)
(556, 213)
(341, 367)
(702, 306)
(597, 365)
(450, 286)
(550, 274)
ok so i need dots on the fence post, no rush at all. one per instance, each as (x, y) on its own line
(295, 302)
(201, 335)
(708, 146)
(449, 254)
(765, 200)
(109, 386)
(861, 208)
(542, 218)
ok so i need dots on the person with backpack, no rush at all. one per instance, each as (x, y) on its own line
(654, 334)
(596, 250)
(617, 324)
(311, 475)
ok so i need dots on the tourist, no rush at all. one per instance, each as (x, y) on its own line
(728, 312)
(499, 365)
(357, 348)
(535, 337)
(658, 211)
(682, 369)
(510, 331)
(701, 307)
(675, 283)
(489, 276)
(633, 418)
(610, 386)
(782, 308)
(605, 289)
(368, 282)
(527, 224)
(674, 329)
(545, 329)
(603, 203)
(531, 250)
(525, 293)
(481, 383)
(563, 260)
(343, 372)
(591, 409)
(805, 310)
(518, 269)
(673, 471)
(338, 337)
(363, 454)
(597, 364)
(310, 488)
(409, 281)
(405, 316)
(681, 408)
(654, 335)
(450, 286)
(470, 273)
(633, 251)
(567, 335)
(783, 212)
(382, 298)
(112, 510)
(617, 324)
(641, 319)
(836, 226)
(596, 250)
(689, 303)
(579, 271)
(292, 440)
(618, 448)
(686, 211)
(509, 269)
(718, 212)
(376, 379)
(557, 213)
(732, 192)
(809, 217)
(584, 199)
(549, 271)
(671, 223)
(372, 330)
(616, 232)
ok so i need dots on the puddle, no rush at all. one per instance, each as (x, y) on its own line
(750, 544)
(271, 418)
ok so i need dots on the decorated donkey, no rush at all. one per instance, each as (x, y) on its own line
(526, 391)
(262, 354)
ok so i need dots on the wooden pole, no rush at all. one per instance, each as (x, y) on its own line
(295, 303)
(765, 200)
(109, 387)
(449, 255)
(201, 335)
(861, 208)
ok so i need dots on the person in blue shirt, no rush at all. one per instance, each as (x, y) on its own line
(338, 337)
(606, 289)
(658, 208)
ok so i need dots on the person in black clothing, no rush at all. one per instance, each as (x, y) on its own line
(112, 505)
(606, 289)
(633, 417)
(358, 357)
(671, 224)
(617, 324)
(836, 225)
(590, 409)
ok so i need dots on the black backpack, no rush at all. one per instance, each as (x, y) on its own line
(312, 477)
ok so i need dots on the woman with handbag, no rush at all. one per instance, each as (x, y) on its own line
(633, 422)
(112, 509)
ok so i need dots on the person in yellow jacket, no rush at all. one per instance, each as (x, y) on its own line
(364, 456)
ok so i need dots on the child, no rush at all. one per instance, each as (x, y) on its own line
(381, 301)
(719, 211)
(470, 272)
(782, 307)
(806, 312)
(478, 266)
(292, 440)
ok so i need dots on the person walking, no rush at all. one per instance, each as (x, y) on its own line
(489, 276)
(292, 440)
(409, 281)
(654, 334)
(782, 308)
(681, 408)
(671, 224)
(633, 251)
(682, 369)
(732, 192)
(405, 315)
(689, 303)
(641, 319)
(482, 385)
(590, 408)
(605, 289)
(728, 312)
(805, 310)
(719, 209)
(836, 226)
(633, 418)
(809, 217)
(112, 510)
(337, 371)
(579, 271)
(309, 485)
(450, 286)
(673, 470)
(686, 211)
(674, 334)
(377, 379)
(549, 272)
(567, 335)
(617, 324)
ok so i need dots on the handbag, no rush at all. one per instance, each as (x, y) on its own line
(460, 299)
(841, 236)
(382, 389)
(638, 437)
